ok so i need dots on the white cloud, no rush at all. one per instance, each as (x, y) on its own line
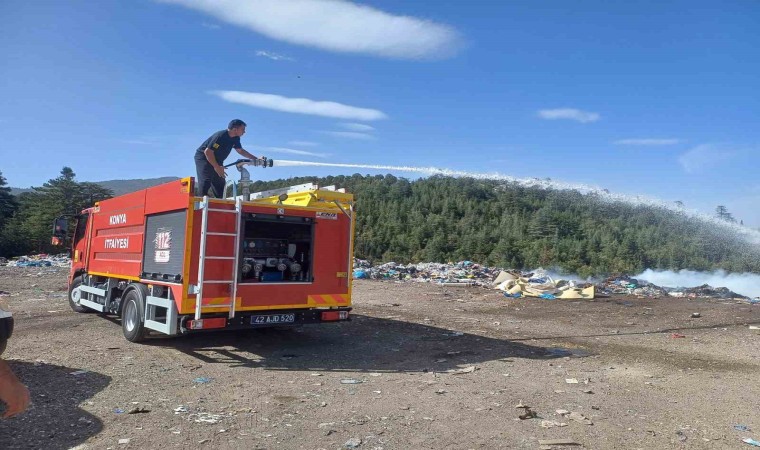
(350, 135)
(273, 56)
(356, 126)
(569, 113)
(303, 143)
(300, 105)
(210, 26)
(335, 25)
(704, 156)
(648, 141)
(291, 151)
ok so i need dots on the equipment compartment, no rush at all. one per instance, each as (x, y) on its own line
(276, 249)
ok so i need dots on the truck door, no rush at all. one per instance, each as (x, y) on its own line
(80, 245)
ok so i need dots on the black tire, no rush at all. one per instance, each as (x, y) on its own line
(6, 330)
(75, 294)
(132, 315)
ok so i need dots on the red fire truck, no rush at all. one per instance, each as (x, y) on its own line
(169, 262)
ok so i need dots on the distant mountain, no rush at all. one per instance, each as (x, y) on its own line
(119, 186)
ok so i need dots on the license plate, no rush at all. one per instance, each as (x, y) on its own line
(265, 319)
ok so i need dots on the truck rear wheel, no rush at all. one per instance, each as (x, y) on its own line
(75, 294)
(132, 315)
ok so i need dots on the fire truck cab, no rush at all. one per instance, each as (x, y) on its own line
(168, 262)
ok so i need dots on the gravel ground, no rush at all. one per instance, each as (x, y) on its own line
(419, 366)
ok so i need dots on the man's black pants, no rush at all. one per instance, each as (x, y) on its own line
(208, 178)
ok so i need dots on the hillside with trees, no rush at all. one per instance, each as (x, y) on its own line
(27, 220)
(447, 219)
(497, 223)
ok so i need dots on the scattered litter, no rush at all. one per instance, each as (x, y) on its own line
(588, 391)
(468, 369)
(571, 380)
(351, 381)
(180, 409)
(741, 428)
(751, 441)
(527, 412)
(677, 336)
(204, 417)
(550, 442)
(138, 410)
(40, 260)
(202, 380)
(353, 443)
(79, 372)
(696, 315)
(124, 441)
(754, 327)
(118, 411)
(578, 417)
(552, 424)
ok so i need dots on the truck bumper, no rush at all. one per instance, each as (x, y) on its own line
(265, 319)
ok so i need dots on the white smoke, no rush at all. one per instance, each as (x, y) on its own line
(747, 284)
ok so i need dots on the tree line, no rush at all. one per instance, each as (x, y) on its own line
(450, 219)
(26, 221)
(504, 224)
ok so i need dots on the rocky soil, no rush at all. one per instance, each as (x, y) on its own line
(419, 366)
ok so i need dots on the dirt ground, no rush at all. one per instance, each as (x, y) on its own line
(420, 366)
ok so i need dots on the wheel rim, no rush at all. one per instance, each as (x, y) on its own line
(76, 295)
(130, 315)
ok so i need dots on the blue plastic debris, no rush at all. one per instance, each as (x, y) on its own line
(515, 295)
(548, 297)
(118, 411)
(741, 428)
(360, 274)
(751, 441)
(202, 380)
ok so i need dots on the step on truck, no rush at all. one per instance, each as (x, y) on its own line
(171, 263)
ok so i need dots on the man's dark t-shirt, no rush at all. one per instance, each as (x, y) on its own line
(221, 143)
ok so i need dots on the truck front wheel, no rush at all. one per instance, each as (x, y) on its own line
(75, 294)
(132, 316)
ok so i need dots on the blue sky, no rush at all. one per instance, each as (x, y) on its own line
(643, 98)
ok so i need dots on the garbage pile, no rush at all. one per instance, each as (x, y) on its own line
(538, 283)
(704, 291)
(630, 286)
(461, 273)
(40, 260)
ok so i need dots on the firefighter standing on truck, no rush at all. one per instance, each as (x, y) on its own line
(210, 156)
